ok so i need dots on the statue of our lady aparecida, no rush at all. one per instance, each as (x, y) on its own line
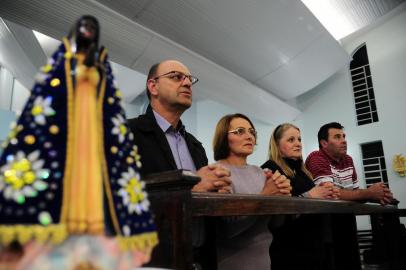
(70, 192)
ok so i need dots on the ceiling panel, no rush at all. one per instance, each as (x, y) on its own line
(14, 58)
(54, 18)
(136, 46)
(253, 54)
(302, 79)
(362, 13)
(28, 42)
(250, 38)
(344, 17)
(128, 8)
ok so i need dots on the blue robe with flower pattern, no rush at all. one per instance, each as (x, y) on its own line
(33, 164)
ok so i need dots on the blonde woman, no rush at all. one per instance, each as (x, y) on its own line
(298, 244)
(285, 155)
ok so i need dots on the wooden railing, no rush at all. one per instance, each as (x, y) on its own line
(175, 208)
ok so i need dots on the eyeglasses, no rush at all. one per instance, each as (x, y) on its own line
(178, 76)
(241, 131)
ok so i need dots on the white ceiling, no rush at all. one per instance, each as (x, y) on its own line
(343, 17)
(17, 58)
(261, 41)
(250, 55)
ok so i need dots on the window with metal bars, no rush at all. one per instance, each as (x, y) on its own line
(364, 97)
(373, 161)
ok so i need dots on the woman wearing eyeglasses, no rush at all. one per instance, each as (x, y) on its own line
(243, 241)
(298, 243)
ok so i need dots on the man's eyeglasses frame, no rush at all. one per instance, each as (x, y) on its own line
(191, 78)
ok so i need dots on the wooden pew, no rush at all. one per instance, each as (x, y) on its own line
(175, 207)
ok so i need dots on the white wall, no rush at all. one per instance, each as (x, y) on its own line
(12, 98)
(131, 110)
(333, 101)
(189, 119)
(20, 96)
(6, 86)
(6, 117)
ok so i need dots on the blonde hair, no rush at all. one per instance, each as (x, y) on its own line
(275, 153)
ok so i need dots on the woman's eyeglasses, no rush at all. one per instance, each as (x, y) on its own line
(241, 131)
(178, 76)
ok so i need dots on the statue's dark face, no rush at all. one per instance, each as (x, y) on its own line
(86, 33)
(87, 29)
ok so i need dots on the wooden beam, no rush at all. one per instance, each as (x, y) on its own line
(214, 204)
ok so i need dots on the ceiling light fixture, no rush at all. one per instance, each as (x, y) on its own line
(332, 17)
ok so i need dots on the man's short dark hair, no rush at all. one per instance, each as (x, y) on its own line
(323, 131)
(151, 74)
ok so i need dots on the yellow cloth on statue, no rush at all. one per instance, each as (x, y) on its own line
(85, 188)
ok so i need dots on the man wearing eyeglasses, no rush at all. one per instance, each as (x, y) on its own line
(162, 140)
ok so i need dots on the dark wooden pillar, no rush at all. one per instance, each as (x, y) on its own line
(345, 249)
(386, 231)
(170, 197)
